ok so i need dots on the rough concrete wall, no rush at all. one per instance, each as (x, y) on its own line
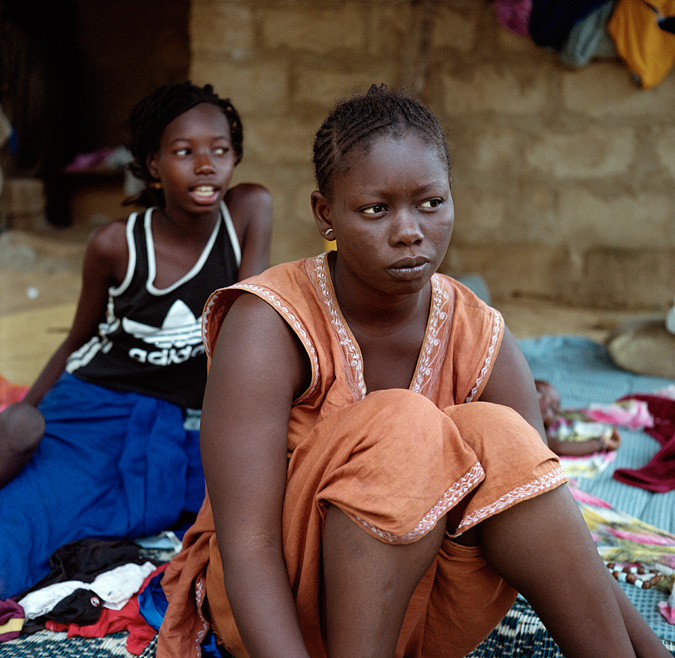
(564, 180)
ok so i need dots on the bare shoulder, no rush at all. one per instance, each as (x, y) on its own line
(249, 202)
(107, 249)
(253, 320)
(509, 372)
(511, 383)
(266, 345)
(109, 240)
(247, 193)
(251, 209)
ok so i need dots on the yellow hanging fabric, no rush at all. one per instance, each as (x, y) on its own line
(647, 50)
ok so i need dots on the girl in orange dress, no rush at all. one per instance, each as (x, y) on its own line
(378, 478)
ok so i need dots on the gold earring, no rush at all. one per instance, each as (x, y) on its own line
(156, 185)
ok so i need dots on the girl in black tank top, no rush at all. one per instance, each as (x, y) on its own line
(135, 336)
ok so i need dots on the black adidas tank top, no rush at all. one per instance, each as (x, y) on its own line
(150, 341)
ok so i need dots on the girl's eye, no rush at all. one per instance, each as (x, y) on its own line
(375, 209)
(181, 152)
(431, 204)
(221, 150)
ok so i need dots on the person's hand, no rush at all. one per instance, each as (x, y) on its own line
(21, 424)
(612, 442)
(21, 429)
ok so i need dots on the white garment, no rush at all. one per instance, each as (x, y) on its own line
(114, 588)
(670, 320)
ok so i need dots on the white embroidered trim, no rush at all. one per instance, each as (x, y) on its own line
(435, 339)
(199, 598)
(448, 500)
(496, 324)
(350, 351)
(205, 321)
(425, 374)
(516, 495)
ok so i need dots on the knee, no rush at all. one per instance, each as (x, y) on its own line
(404, 405)
(22, 427)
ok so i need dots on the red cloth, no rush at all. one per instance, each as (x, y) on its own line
(111, 621)
(659, 474)
(10, 393)
(662, 410)
(10, 611)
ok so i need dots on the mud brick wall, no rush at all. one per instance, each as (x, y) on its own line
(564, 179)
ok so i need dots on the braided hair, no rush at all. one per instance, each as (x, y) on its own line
(357, 121)
(155, 112)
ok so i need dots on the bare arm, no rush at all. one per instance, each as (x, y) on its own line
(574, 448)
(105, 258)
(511, 383)
(588, 447)
(250, 206)
(258, 368)
(645, 642)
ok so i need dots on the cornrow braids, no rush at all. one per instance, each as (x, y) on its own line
(355, 122)
(155, 112)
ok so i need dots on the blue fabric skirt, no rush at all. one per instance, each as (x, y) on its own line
(111, 465)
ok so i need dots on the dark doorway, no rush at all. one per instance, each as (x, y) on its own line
(70, 72)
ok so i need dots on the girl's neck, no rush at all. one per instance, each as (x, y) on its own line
(373, 310)
(187, 227)
(177, 246)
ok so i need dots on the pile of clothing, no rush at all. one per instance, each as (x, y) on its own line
(95, 587)
(640, 32)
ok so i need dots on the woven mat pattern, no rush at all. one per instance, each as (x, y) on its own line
(46, 643)
(519, 635)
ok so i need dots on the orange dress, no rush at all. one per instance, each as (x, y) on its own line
(395, 461)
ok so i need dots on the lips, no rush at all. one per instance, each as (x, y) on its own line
(409, 262)
(410, 268)
(205, 193)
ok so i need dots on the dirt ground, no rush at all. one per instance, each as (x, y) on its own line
(40, 283)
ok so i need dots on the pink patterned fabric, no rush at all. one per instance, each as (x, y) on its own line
(514, 15)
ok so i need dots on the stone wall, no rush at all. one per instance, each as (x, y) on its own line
(564, 180)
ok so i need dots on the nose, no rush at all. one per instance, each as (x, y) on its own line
(406, 229)
(203, 163)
